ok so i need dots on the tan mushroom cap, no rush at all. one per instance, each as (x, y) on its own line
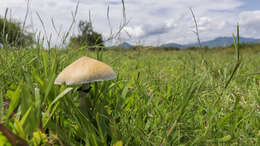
(85, 70)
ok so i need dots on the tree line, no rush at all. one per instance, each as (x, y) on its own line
(13, 34)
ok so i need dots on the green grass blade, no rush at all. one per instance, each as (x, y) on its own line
(19, 129)
(1, 106)
(25, 116)
(44, 61)
(49, 86)
(61, 95)
(14, 101)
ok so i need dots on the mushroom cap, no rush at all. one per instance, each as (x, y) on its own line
(85, 70)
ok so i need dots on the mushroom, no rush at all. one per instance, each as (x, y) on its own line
(84, 71)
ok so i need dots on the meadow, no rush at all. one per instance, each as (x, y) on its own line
(158, 98)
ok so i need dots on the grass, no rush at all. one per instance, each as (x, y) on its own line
(158, 96)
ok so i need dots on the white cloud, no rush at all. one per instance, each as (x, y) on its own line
(249, 21)
(136, 31)
(141, 31)
(150, 21)
(175, 20)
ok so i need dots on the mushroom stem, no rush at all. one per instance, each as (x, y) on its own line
(83, 97)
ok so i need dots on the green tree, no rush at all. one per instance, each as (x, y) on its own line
(87, 37)
(12, 34)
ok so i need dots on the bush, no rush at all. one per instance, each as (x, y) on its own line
(247, 45)
(87, 37)
(12, 34)
(193, 48)
(170, 48)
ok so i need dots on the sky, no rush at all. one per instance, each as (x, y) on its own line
(147, 22)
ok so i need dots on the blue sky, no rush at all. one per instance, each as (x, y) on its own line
(150, 22)
(250, 5)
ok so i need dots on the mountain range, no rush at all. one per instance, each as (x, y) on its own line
(219, 41)
(125, 45)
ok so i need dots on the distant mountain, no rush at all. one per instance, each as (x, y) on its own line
(125, 45)
(225, 41)
(219, 41)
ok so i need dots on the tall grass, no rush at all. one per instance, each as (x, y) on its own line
(157, 95)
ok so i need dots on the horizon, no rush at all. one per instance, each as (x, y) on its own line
(165, 22)
(196, 42)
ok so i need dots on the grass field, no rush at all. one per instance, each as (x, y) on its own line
(158, 98)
